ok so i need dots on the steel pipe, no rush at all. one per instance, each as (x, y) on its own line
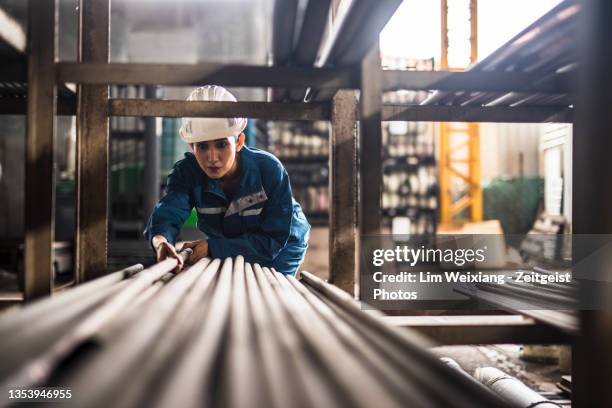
(511, 389)
(44, 307)
(231, 334)
(140, 346)
(188, 382)
(423, 368)
(37, 368)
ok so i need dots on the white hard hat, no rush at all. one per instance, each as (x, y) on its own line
(194, 130)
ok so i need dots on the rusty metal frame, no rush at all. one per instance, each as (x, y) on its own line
(92, 151)
(40, 185)
(343, 189)
(94, 74)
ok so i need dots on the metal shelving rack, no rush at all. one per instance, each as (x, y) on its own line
(350, 61)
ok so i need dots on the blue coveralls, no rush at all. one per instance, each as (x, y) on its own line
(262, 222)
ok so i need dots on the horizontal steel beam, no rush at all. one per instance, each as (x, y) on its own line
(261, 110)
(279, 77)
(500, 114)
(304, 111)
(490, 329)
(321, 111)
(200, 74)
(472, 81)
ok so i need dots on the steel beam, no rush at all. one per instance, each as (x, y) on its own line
(40, 185)
(323, 77)
(261, 110)
(200, 74)
(500, 329)
(474, 81)
(370, 145)
(501, 114)
(514, 303)
(357, 26)
(356, 29)
(309, 39)
(283, 30)
(92, 146)
(285, 15)
(312, 111)
(152, 164)
(343, 190)
(311, 32)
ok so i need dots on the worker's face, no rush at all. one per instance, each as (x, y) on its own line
(218, 157)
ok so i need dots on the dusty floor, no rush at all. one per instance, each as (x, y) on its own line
(317, 256)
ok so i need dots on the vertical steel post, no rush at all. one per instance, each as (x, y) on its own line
(343, 190)
(92, 145)
(152, 164)
(592, 201)
(370, 152)
(40, 185)
(370, 149)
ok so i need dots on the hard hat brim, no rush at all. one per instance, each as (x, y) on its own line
(212, 132)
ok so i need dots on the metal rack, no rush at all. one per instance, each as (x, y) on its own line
(350, 62)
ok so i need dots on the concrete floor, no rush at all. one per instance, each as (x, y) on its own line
(316, 260)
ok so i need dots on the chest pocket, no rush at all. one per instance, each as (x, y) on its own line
(249, 209)
(210, 218)
(251, 218)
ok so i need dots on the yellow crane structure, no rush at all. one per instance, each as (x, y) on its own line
(459, 171)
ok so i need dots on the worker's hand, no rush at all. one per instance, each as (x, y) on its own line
(164, 249)
(199, 248)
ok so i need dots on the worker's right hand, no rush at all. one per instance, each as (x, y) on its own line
(164, 249)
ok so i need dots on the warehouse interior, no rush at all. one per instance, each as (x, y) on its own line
(398, 122)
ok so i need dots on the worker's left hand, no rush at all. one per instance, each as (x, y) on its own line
(199, 248)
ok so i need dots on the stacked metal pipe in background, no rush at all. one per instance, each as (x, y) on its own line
(222, 333)
(546, 49)
(509, 388)
(512, 390)
(552, 303)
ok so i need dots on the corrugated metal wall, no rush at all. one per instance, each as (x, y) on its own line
(510, 150)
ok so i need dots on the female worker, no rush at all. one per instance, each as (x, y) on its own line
(242, 197)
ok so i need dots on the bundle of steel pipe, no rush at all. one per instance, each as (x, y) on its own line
(226, 333)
